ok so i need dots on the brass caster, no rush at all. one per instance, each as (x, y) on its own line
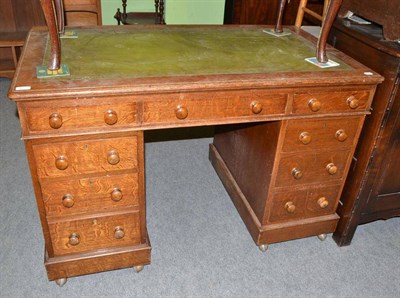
(138, 268)
(62, 281)
(263, 247)
(322, 237)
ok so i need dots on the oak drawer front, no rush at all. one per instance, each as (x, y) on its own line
(95, 233)
(312, 167)
(311, 202)
(176, 111)
(84, 157)
(78, 118)
(74, 196)
(334, 133)
(330, 102)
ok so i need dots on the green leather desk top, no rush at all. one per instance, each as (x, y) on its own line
(179, 51)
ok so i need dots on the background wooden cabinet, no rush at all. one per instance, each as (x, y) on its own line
(20, 15)
(372, 190)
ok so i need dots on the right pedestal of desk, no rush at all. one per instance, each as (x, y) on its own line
(285, 177)
(372, 190)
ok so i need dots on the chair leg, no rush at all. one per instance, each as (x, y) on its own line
(300, 13)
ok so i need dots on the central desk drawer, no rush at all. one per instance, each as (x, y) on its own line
(73, 117)
(215, 107)
(76, 196)
(85, 157)
(95, 233)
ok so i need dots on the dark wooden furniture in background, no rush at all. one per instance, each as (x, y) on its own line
(372, 190)
(82, 12)
(134, 18)
(16, 18)
(264, 11)
(383, 12)
(13, 43)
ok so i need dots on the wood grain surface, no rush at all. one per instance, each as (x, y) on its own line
(98, 261)
(79, 117)
(215, 106)
(84, 157)
(330, 102)
(305, 201)
(321, 132)
(89, 194)
(95, 233)
(313, 166)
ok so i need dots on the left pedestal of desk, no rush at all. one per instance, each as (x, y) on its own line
(89, 186)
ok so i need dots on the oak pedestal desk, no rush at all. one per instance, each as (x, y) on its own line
(286, 132)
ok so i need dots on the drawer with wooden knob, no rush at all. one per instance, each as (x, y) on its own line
(321, 201)
(84, 235)
(95, 194)
(349, 101)
(303, 203)
(312, 167)
(60, 118)
(220, 106)
(327, 134)
(86, 157)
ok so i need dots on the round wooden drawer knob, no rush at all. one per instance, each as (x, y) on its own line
(55, 121)
(290, 207)
(256, 107)
(331, 168)
(341, 135)
(119, 233)
(68, 201)
(113, 157)
(297, 173)
(110, 117)
(323, 202)
(74, 239)
(314, 104)
(353, 102)
(61, 162)
(305, 137)
(116, 195)
(181, 112)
